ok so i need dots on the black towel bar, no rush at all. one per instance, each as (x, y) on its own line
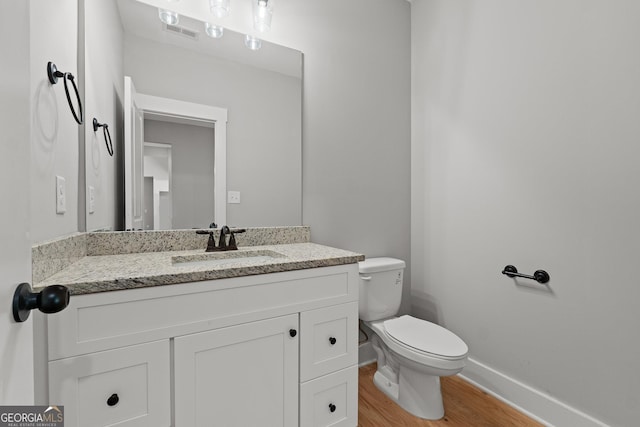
(539, 276)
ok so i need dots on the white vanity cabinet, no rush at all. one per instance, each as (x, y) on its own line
(277, 349)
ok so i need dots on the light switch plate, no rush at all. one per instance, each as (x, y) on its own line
(61, 195)
(233, 197)
(92, 199)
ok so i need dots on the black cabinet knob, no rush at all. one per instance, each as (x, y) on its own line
(113, 400)
(332, 340)
(332, 407)
(293, 332)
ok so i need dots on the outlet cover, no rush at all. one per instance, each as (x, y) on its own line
(233, 197)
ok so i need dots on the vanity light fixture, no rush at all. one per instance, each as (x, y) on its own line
(168, 17)
(213, 31)
(252, 42)
(219, 8)
(262, 13)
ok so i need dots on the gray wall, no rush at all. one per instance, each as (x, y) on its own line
(263, 129)
(356, 121)
(191, 170)
(54, 136)
(525, 151)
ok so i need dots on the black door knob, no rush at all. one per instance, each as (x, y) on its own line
(332, 407)
(332, 340)
(293, 332)
(51, 299)
(113, 400)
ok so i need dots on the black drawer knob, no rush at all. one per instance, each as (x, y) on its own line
(332, 407)
(332, 340)
(113, 400)
(293, 332)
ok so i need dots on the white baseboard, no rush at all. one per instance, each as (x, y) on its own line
(534, 403)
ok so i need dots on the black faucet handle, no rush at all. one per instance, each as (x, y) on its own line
(233, 246)
(211, 243)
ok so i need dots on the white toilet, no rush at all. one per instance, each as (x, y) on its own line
(412, 354)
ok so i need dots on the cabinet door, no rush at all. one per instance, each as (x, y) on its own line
(129, 386)
(239, 376)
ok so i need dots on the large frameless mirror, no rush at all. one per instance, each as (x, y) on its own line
(176, 176)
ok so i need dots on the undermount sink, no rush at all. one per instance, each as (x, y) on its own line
(215, 259)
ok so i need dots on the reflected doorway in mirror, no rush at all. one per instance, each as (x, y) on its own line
(141, 106)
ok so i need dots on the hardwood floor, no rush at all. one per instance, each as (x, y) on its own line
(464, 406)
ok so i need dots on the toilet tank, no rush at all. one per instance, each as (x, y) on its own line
(380, 287)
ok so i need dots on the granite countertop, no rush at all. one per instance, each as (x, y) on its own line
(103, 273)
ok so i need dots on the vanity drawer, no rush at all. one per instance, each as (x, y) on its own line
(331, 400)
(128, 386)
(328, 340)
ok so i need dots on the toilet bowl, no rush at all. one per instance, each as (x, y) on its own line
(412, 354)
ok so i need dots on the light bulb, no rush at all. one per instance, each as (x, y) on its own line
(262, 13)
(168, 17)
(219, 8)
(252, 42)
(213, 31)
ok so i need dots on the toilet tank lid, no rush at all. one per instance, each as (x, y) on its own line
(374, 265)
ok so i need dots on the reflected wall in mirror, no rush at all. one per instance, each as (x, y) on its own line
(261, 91)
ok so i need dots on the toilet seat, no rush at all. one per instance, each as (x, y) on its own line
(425, 338)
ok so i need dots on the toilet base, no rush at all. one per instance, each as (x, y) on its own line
(416, 393)
(411, 379)
(387, 387)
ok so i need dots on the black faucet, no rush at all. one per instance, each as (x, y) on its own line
(222, 242)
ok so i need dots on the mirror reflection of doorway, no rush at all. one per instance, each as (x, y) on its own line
(171, 113)
(157, 168)
(148, 210)
(179, 156)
